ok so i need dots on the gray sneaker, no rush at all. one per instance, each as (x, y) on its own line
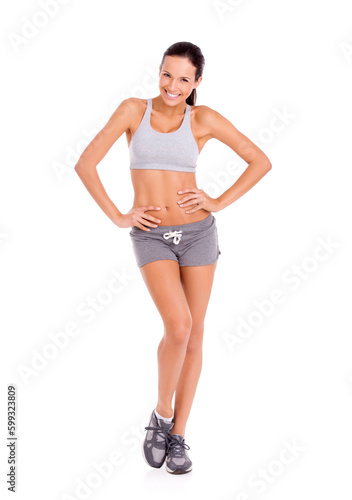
(157, 441)
(177, 459)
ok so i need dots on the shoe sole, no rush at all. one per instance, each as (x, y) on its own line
(178, 471)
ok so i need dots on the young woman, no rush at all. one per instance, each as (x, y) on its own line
(173, 229)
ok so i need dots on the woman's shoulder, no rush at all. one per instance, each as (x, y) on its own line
(135, 103)
(204, 114)
(135, 108)
(203, 111)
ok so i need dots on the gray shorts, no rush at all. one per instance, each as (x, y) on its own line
(192, 244)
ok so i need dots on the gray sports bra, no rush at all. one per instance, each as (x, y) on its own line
(176, 150)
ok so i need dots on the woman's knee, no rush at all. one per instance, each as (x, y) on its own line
(178, 329)
(195, 342)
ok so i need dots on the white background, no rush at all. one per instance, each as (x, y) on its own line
(287, 382)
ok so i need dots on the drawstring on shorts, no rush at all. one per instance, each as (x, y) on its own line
(176, 235)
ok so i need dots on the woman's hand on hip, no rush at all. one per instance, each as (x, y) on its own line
(138, 217)
(198, 199)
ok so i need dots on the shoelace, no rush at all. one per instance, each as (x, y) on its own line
(161, 430)
(176, 235)
(177, 446)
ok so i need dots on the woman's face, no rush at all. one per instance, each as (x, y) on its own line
(177, 77)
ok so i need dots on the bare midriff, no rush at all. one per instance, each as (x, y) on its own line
(160, 188)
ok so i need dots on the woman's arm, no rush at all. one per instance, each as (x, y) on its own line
(258, 163)
(86, 167)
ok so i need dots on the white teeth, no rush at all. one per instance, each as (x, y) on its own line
(172, 95)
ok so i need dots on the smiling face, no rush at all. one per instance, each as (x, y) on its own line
(177, 79)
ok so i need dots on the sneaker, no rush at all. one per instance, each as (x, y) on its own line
(177, 459)
(156, 441)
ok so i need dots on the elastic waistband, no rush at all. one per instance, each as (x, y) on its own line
(163, 166)
(200, 224)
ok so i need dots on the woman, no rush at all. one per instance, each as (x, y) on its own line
(174, 234)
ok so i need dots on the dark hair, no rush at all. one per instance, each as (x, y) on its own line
(194, 54)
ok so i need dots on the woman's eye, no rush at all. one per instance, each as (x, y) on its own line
(183, 79)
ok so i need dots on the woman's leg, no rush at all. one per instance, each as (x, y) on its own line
(162, 278)
(197, 283)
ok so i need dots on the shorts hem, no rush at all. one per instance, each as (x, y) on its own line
(197, 265)
(155, 260)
